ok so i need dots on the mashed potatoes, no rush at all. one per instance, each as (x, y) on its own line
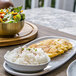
(27, 56)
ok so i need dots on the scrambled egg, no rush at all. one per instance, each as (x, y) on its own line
(53, 47)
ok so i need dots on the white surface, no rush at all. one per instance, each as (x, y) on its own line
(70, 30)
(55, 62)
(71, 71)
(54, 18)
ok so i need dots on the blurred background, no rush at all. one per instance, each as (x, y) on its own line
(68, 5)
(40, 4)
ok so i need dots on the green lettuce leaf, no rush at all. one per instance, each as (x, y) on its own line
(18, 9)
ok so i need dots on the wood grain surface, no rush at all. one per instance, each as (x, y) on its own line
(43, 31)
(28, 33)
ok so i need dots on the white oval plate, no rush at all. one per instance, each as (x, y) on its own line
(71, 71)
(55, 62)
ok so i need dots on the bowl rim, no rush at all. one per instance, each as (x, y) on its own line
(29, 65)
(13, 23)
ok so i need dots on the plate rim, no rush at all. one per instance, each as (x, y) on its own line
(47, 37)
(67, 71)
(18, 73)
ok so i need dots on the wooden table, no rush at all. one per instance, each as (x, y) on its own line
(43, 31)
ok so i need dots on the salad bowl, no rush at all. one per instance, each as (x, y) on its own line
(11, 28)
(11, 20)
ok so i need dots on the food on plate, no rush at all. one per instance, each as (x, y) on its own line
(27, 56)
(53, 47)
(11, 15)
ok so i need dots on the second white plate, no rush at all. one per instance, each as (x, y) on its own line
(71, 71)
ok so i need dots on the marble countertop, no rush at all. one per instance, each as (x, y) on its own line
(57, 19)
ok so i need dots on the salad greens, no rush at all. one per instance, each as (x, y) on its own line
(11, 15)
